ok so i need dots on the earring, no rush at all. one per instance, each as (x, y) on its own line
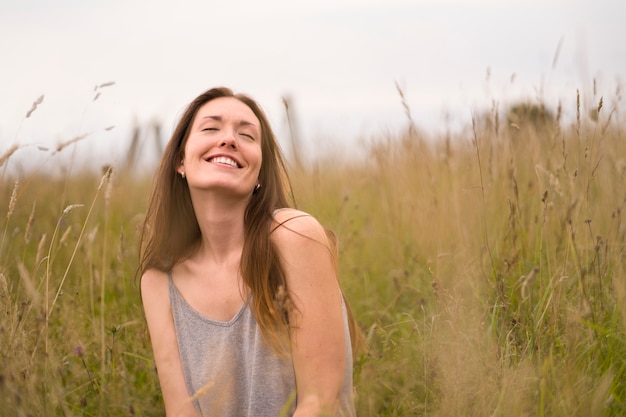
(257, 188)
(182, 175)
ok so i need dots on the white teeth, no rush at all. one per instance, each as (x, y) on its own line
(224, 160)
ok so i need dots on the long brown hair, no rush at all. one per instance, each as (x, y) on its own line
(170, 230)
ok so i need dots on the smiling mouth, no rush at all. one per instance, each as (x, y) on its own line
(223, 160)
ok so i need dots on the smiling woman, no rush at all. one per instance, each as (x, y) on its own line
(223, 150)
(240, 291)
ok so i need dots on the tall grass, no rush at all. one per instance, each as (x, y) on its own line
(485, 268)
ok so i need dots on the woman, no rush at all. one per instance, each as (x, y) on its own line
(240, 292)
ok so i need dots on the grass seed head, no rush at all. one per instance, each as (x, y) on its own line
(63, 145)
(107, 84)
(29, 224)
(71, 207)
(65, 235)
(34, 106)
(13, 199)
(40, 248)
(4, 287)
(28, 284)
(7, 154)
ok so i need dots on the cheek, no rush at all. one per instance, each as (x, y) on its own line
(189, 146)
(260, 162)
(258, 151)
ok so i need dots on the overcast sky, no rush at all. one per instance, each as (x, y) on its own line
(338, 60)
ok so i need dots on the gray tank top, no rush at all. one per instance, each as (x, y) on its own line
(230, 371)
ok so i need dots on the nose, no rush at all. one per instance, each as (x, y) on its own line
(229, 140)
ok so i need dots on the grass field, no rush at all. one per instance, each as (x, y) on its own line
(485, 268)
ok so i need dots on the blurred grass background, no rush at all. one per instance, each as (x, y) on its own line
(485, 268)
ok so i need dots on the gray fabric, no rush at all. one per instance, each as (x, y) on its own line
(230, 369)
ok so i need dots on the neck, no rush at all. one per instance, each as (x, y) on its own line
(221, 224)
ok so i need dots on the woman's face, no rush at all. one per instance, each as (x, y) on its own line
(223, 150)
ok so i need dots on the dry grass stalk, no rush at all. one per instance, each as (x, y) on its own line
(65, 235)
(91, 236)
(100, 86)
(527, 281)
(36, 103)
(107, 84)
(293, 132)
(132, 149)
(108, 191)
(202, 391)
(29, 286)
(7, 154)
(578, 111)
(28, 232)
(407, 110)
(4, 287)
(63, 145)
(40, 249)
(108, 170)
(71, 207)
(13, 200)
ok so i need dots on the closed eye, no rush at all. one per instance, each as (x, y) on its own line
(248, 136)
(209, 128)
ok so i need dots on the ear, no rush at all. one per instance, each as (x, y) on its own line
(180, 168)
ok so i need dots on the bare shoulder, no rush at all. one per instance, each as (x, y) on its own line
(153, 284)
(292, 227)
(306, 253)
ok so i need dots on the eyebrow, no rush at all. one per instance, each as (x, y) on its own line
(241, 122)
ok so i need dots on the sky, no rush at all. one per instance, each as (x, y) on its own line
(338, 62)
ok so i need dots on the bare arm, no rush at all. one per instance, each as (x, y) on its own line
(156, 304)
(317, 332)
